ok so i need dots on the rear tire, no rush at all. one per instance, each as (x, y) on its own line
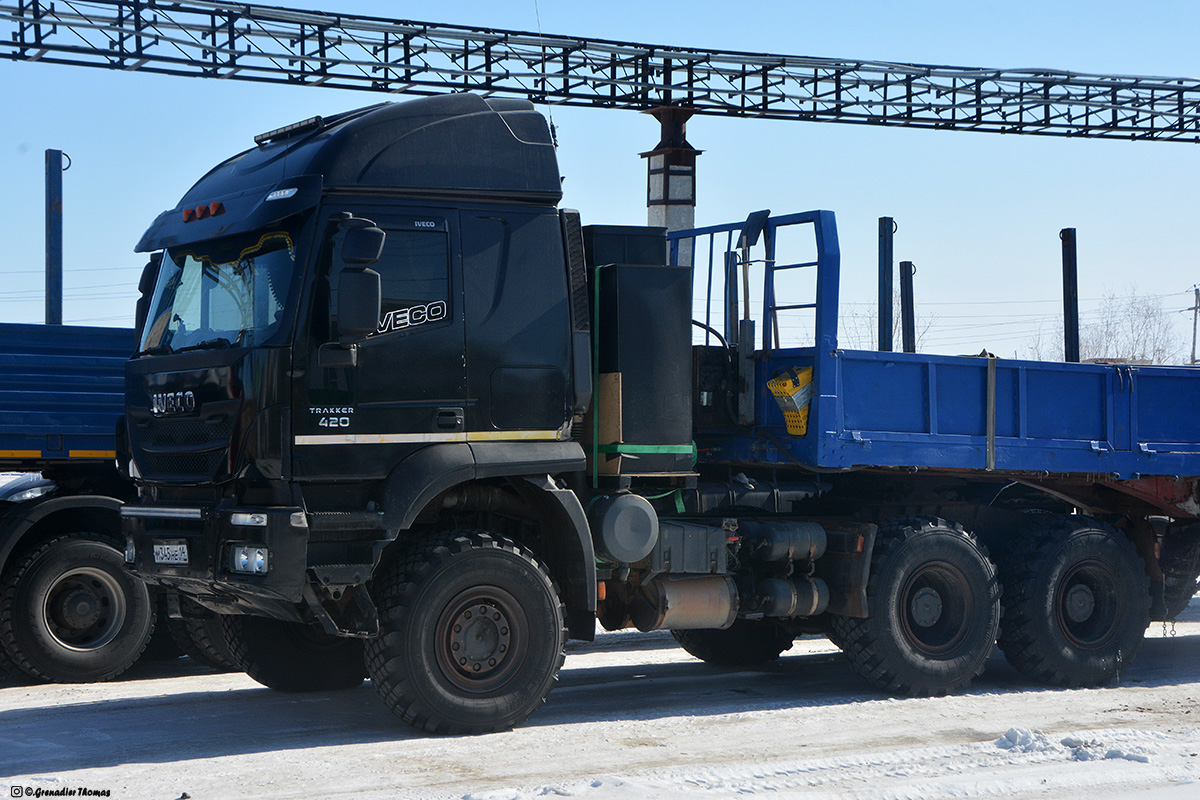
(934, 610)
(1178, 595)
(292, 657)
(1076, 602)
(201, 636)
(70, 613)
(746, 643)
(472, 634)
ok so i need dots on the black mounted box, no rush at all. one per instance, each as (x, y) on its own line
(624, 244)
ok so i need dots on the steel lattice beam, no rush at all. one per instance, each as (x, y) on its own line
(278, 45)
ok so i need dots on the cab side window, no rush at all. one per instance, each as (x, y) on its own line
(415, 274)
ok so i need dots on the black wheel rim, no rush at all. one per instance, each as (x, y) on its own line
(481, 639)
(1087, 605)
(936, 607)
(84, 609)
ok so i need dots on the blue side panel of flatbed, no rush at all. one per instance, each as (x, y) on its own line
(912, 410)
(885, 409)
(61, 392)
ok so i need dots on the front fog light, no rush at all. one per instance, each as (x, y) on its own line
(249, 560)
(130, 550)
(253, 520)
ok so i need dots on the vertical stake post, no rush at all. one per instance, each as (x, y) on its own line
(908, 316)
(54, 216)
(887, 227)
(1070, 296)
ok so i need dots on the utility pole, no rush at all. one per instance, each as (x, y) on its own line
(1195, 309)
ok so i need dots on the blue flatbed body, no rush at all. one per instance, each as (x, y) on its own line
(61, 392)
(913, 410)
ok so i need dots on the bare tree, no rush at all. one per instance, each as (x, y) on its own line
(1126, 327)
(858, 326)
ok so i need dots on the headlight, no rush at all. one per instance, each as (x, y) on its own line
(253, 520)
(249, 559)
(31, 494)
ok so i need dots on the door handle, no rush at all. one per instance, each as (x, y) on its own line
(449, 419)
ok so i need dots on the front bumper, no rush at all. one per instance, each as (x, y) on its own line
(203, 567)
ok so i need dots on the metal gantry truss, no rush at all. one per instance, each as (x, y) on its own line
(278, 45)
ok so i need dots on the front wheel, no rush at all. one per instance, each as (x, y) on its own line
(934, 610)
(471, 634)
(70, 613)
(1076, 602)
(291, 657)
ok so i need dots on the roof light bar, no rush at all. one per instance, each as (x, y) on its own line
(310, 124)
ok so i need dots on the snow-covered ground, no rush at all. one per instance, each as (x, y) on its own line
(632, 717)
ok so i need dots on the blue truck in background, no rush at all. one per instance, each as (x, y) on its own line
(69, 611)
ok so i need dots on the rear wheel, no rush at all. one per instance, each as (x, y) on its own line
(1076, 602)
(201, 636)
(1180, 561)
(746, 643)
(934, 610)
(472, 634)
(291, 657)
(70, 613)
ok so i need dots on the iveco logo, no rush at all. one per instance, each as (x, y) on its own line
(172, 402)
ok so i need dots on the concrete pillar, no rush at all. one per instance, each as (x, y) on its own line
(671, 177)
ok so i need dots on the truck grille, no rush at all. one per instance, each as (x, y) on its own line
(183, 449)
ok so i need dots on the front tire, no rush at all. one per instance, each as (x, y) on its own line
(746, 643)
(934, 610)
(472, 634)
(1076, 602)
(70, 613)
(292, 657)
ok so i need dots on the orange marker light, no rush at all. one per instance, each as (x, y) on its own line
(201, 212)
(189, 214)
(216, 208)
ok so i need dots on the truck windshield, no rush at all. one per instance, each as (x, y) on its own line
(224, 293)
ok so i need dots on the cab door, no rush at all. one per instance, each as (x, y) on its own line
(407, 387)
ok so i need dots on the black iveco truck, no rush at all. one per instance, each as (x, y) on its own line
(363, 355)
(395, 414)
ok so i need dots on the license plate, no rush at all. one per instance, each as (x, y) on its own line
(170, 553)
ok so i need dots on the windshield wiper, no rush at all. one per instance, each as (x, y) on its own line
(220, 343)
(157, 350)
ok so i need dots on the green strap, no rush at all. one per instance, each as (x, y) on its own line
(632, 449)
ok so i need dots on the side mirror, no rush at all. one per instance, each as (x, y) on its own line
(362, 247)
(145, 289)
(359, 301)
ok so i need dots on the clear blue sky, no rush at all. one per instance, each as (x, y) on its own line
(978, 213)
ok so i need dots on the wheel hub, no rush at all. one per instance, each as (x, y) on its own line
(84, 609)
(926, 607)
(480, 638)
(78, 609)
(1080, 603)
